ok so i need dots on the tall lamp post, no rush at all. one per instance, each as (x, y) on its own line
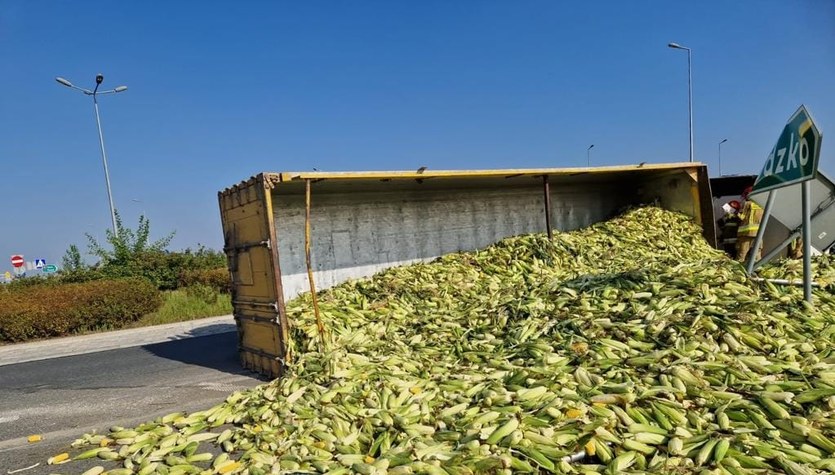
(720, 155)
(588, 155)
(95, 93)
(689, 92)
(141, 204)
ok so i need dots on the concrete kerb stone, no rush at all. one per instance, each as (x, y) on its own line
(83, 344)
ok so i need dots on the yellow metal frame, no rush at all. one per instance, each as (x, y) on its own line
(262, 321)
(252, 257)
(532, 172)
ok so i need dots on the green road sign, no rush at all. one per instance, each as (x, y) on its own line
(795, 157)
(50, 268)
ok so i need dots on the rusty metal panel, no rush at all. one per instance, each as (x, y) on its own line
(249, 244)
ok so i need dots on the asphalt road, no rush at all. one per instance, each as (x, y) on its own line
(63, 398)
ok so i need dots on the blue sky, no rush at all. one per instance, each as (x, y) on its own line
(219, 91)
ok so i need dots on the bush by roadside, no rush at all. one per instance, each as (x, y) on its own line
(135, 282)
(17, 284)
(132, 253)
(45, 310)
(218, 279)
(166, 270)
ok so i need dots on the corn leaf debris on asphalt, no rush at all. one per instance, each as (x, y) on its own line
(627, 346)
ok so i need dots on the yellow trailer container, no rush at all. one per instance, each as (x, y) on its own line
(362, 222)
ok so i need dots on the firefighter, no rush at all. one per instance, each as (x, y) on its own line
(749, 225)
(729, 226)
(796, 249)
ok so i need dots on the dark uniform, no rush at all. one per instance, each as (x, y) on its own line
(728, 229)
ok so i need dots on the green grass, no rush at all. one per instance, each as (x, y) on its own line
(188, 304)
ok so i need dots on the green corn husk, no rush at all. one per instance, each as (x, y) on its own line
(628, 345)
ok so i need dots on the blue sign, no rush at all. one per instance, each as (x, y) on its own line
(40, 263)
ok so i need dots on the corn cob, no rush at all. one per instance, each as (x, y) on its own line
(611, 341)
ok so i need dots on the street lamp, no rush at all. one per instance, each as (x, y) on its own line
(95, 92)
(720, 155)
(588, 155)
(689, 92)
(141, 204)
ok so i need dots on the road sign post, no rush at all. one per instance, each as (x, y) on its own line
(752, 254)
(793, 159)
(807, 242)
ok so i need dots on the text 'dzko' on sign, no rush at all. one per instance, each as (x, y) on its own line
(795, 156)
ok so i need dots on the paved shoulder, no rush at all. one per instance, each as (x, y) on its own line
(83, 344)
(62, 398)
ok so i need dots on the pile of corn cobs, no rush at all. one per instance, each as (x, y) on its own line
(628, 346)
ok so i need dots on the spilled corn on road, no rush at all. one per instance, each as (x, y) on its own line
(58, 398)
(627, 347)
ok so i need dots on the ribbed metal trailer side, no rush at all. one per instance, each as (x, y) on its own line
(363, 222)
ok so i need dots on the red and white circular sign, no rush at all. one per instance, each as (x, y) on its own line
(17, 261)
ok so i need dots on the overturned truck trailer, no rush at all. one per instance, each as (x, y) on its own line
(363, 222)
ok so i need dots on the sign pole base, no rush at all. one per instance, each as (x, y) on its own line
(752, 254)
(807, 241)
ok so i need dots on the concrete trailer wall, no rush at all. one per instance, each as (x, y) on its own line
(358, 234)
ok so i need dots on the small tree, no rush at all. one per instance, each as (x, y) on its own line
(128, 244)
(72, 262)
(132, 253)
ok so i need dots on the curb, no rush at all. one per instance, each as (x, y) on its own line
(83, 344)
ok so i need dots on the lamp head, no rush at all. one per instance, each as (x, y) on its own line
(63, 81)
(99, 78)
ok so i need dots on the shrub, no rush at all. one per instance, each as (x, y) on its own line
(45, 311)
(218, 279)
(202, 258)
(159, 267)
(37, 281)
(131, 253)
(166, 270)
(202, 292)
(81, 275)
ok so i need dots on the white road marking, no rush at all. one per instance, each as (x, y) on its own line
(23, 469)
(222, 387)
(11, 418)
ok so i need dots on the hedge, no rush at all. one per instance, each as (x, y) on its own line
(47, 311)
(167, 271)
(217, 279)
